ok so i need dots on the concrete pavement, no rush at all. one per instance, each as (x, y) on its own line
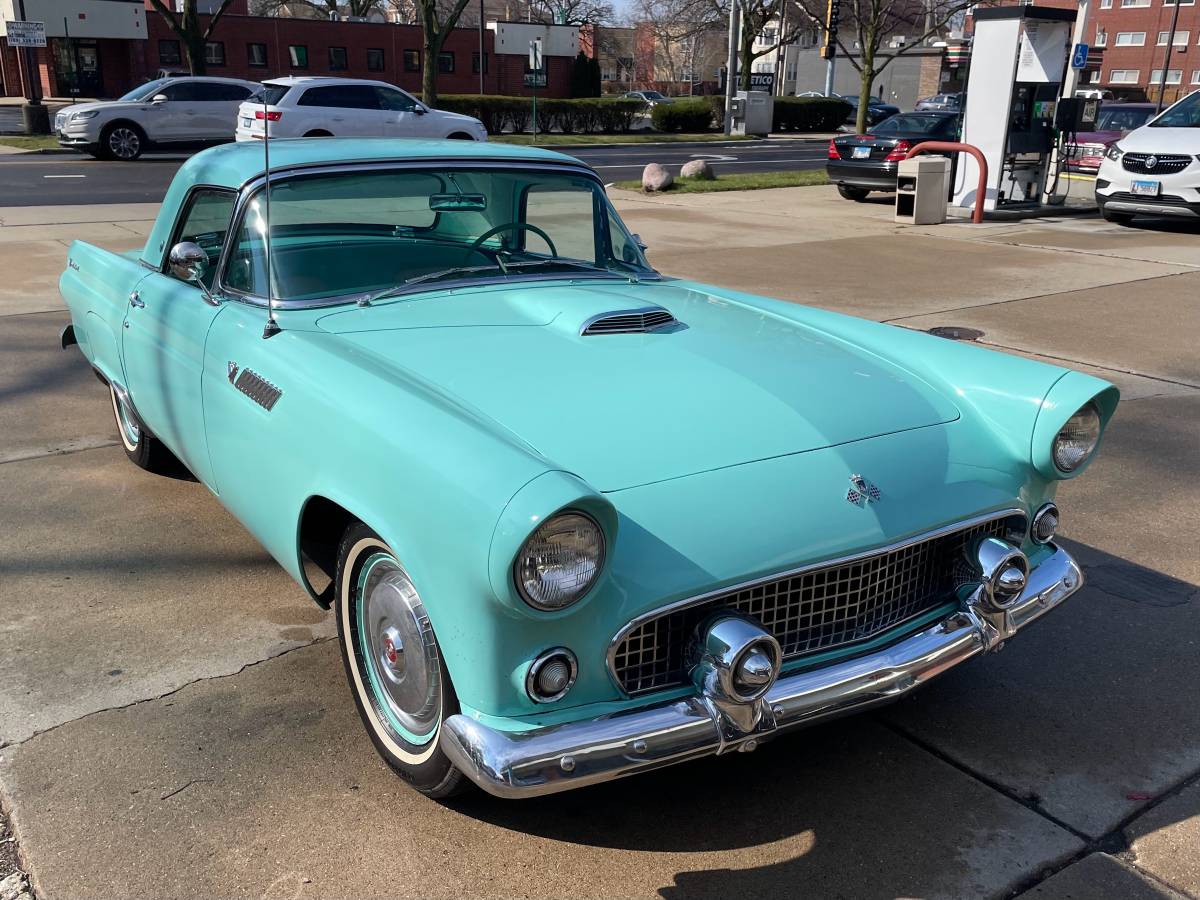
(174, 722)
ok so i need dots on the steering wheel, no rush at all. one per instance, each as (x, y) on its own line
(519, 226)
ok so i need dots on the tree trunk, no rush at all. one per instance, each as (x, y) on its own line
(429, 69)
(747, 55)
(193, 46)
(866, 82)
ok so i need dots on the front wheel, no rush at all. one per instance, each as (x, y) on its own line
(394, 664)
(850, 192)
(122, 141)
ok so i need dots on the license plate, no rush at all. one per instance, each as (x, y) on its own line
(246, 123)
(862, 153)
(1146, 188)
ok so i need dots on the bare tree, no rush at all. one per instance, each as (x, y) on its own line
(437, 21)
(192, 34)
(872, 22)
(572, 12)
(319, 9)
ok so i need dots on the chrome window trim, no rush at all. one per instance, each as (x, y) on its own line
(789, 573)
(248, 188)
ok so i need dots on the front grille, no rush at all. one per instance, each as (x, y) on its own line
(1164, 163)
(1143, 199)
(634, 321)
(815, 609)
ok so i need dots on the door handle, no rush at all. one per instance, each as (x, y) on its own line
(135, 299)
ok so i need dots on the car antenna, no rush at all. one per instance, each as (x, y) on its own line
(272, 326)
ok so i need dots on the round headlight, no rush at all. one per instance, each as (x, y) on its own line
(1077, 439)
(560, 561)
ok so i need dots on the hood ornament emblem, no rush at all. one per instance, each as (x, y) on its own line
(1151, 161)
(862, 493)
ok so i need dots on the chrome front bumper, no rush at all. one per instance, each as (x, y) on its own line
(562, 757)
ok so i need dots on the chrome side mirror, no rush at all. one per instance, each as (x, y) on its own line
(188, 263)
(158, 98)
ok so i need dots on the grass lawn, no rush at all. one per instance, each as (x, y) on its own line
(37, 142)
(655, 137)
(748, 181)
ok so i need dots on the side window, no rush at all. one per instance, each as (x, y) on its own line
(344, 96)
(397, 101)
(206, 222)
(566, 214)
(211, 92)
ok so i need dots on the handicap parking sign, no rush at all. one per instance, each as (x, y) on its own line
(1079, 57)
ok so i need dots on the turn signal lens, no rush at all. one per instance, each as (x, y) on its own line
(897, 153)
(1045, 524)
(560, 561)
(1077, 439)
(551, 675)
(271, 115)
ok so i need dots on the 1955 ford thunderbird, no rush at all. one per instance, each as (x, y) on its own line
(576, 519)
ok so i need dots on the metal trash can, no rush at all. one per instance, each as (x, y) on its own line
(922, 185)
(752, 112)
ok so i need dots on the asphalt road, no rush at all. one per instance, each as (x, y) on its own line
(58, 179)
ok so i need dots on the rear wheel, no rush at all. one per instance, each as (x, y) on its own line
(394, 664)
(1118, 218)
(459, 136)
(143, 449)
(123, 141)
(850, 192)
(319, 132)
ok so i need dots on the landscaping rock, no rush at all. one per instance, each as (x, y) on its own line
(656, 178)
(697, 168)
(15, 887)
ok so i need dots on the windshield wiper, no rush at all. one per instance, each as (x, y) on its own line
(504, 267)
(428, 276)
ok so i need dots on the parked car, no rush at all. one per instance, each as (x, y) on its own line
(650, 98)
(859, 164)
(819, 94)
(1114, 122)
(539, 585)
(877, 110)
(1154, 170)
(167, 113)
(940, 102)
(347, 107)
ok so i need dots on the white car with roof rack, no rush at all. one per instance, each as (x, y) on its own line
(167, 113)
(1154, 170)
(347, 107)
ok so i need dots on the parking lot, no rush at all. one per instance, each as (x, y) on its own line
(174, 720)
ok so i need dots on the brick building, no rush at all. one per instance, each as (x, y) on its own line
(1129, 47)
(103, 48)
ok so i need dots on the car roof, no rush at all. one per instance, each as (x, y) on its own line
(210, 78)
(312, 80)
(233, 165)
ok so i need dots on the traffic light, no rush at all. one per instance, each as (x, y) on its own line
(832, 16)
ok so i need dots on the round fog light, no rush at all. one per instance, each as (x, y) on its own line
(1045, 523)
(551, 675)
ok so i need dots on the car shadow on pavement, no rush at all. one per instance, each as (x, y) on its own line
(1013, 764)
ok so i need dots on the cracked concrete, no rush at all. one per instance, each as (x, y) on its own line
(179, 724)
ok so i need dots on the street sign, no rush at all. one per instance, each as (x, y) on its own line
(1079, 56)
(759, 81)
(535, 55)
(27, 34)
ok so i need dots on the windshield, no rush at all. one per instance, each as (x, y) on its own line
(1184, 114)
(653, 95)
(387, 231)
(912, 124)
(145, 91)
(1116, 118)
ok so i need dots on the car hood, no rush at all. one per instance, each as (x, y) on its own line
(1162, 140)
(456, 117)
(100, 106)
(729, 385)
(1096, 137)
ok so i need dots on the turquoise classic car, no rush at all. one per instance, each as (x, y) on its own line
(576, 520)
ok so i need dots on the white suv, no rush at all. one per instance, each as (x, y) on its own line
(1154, 170)
(347, 107)
(161, 114)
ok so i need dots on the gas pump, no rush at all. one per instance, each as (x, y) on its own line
(1018, 60)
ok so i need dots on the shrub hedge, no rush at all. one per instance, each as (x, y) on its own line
(579, 116)
(685, 114)
(809, 113)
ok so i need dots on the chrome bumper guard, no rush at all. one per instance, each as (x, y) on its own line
(563, 757)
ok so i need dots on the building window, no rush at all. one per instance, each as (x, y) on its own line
(1106, 4)
(374, 59)
(214, 53)
(1093, 76)
(256, 56)
(412, 60)
(1131, 38)
(1123, 76)
(1101, 37)
(337, 59)
(767, 37)
(475, 63)
(1195, 76)
(446, 62)
(1181, 3)
(1126, 4)
(1181, 38)
(168, 53)
(298, 56)
(1174, 76)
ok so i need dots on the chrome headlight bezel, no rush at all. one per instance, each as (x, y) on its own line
(525, 565)
(1088, 423)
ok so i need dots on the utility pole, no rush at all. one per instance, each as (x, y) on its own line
(482, 58)
(33, 114)
(735, 22)
(1162, 87)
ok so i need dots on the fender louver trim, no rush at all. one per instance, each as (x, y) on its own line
(631, 321)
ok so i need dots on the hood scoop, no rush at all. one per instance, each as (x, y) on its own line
(629, 321)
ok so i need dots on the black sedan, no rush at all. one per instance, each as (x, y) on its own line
(861, 163)
(877, 110)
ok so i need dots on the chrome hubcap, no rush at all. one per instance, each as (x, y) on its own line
(127, 423)
(398, 650)
(124, 143)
